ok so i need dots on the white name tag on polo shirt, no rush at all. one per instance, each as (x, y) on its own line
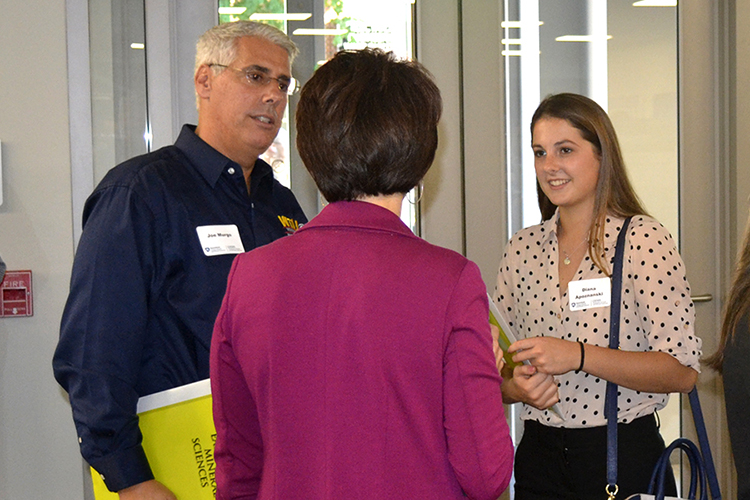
(585, 294)
(220, 240)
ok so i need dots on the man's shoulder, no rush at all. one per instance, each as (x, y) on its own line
(151, 178)
(164, 162)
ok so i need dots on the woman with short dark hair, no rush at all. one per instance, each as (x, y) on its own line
(354, 359)
(367, 126)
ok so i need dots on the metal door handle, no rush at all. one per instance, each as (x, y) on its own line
(702, 298)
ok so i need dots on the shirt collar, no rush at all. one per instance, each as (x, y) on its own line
(209, 162)
(550, 225)
(359, 214)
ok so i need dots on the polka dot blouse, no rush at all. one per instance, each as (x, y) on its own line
(656, 314)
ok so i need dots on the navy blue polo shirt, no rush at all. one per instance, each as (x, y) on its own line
(147, 284)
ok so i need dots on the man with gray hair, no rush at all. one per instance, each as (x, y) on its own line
(160, 234)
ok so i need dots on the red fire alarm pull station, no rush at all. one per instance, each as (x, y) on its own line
(15, 294)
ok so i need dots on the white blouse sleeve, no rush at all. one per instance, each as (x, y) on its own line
(656, 276)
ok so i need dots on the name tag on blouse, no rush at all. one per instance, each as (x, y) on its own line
(220, 240)
(586, 294)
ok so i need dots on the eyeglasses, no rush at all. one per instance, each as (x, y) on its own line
(257, 78)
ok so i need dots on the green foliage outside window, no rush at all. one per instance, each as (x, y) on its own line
(339, 22)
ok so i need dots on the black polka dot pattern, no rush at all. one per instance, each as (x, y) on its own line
(656, 313)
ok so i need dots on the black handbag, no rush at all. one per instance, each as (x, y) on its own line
(701, 464)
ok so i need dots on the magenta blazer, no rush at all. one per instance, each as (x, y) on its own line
(353, 360)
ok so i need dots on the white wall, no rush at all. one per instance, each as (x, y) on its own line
(38, 452)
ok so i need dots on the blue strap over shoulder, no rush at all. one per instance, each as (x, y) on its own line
(610, 401)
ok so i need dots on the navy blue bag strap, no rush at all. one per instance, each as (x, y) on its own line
(610, 401)
(708, 459)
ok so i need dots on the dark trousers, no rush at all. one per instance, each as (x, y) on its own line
(571, 464)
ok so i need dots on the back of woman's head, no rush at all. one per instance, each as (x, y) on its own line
(367, 124)
(614, 193)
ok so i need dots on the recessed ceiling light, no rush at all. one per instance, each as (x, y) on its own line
(232, 11)
(655, 3)
(137, 46)
(295, 16)
(581, 38)
(515, 24)
(319, 32)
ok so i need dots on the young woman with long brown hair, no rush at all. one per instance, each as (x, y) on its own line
(585, 195)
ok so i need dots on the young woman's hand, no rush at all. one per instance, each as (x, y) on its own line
(527, 385)
(548, 354)
(654, 371)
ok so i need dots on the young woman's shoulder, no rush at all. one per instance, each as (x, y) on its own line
(651, 242)
(646, 228)
(532, 234)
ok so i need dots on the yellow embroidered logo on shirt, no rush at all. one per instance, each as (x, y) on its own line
(290, 225)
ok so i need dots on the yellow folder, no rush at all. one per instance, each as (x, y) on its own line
(506, 336)
(178, 437)
(505, 339)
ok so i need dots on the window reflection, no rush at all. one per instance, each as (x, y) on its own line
(339, 25)
(118, 83)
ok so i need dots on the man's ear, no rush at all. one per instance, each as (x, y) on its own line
(203, 81)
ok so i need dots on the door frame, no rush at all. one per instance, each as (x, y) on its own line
(708, 215)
